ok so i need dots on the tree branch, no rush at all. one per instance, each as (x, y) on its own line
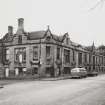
(98, 3)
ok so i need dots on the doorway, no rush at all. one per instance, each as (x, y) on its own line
(50, 71)
(20, 70)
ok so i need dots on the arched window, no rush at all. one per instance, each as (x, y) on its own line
(20, 39)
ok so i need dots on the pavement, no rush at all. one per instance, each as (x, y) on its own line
(56, 78)
(12, 81)
(86, 91)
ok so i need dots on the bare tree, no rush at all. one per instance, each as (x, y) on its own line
(99, 2)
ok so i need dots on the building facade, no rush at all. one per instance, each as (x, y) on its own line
(42, 53)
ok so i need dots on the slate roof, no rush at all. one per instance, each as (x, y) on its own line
(74, 44)
(89, 48)
(58, 38)
(36, 35)
(40, 34)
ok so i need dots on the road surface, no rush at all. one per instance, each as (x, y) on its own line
(87, 91)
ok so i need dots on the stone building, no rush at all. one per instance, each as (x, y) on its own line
(101, 50)
(42, 53)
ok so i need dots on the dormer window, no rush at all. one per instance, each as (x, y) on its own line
(20, 39)
(48, 38)
(67, 41)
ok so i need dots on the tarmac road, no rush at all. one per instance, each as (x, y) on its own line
(87, 91)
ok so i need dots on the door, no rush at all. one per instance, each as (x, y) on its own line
(20, 71)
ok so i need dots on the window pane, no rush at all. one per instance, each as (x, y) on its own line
(20, 39)
(80, 58)
(85, 57)
(73, 55)
(20, 55)
(47, 51)
(7, 54)
(67, 56)
(35, 52)
(24, 54)
(58, 53)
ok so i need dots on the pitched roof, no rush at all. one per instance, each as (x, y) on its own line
(74, 44)
(58, 38)
(89, 48)
(36, 35)
(40, 34)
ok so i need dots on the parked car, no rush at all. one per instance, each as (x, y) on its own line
(78, 72)
(92, 73)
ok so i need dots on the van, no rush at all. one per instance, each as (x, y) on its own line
(78, 72)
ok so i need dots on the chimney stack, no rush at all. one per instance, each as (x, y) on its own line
(20, 29)
(10, 30)
(21, 23)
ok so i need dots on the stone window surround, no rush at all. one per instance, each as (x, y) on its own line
(67, 55)
(35, 53)
(20, 50)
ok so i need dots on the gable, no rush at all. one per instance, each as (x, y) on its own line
(66, 39)
(7, 38)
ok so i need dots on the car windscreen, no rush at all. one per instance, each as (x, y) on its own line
(75, 70)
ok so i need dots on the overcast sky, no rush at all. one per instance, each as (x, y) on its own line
(72, 16)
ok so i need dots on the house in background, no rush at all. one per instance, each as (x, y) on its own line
(42, 53)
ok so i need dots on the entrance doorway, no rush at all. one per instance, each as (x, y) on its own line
(20, 70)
(50, 71)
(67, 70)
